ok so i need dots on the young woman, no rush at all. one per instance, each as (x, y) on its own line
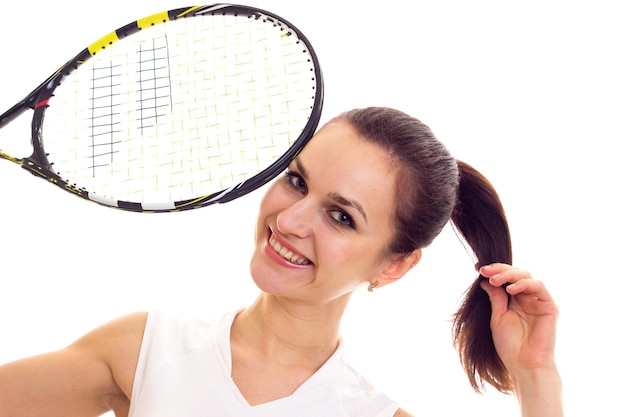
(354, 210)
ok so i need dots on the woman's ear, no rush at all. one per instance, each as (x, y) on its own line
(398, 267)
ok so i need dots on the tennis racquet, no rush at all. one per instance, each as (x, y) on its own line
(179, 110)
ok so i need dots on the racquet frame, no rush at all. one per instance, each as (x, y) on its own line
(37, 163)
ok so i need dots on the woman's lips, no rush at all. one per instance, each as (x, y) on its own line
(284, 253)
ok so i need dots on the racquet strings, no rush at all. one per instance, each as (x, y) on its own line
(181, 109)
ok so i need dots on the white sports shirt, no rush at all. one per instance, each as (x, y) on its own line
(184, 370)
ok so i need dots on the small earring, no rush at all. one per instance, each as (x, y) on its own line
(373, 286)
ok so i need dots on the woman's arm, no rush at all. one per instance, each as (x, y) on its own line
(539, 393)
(88, 378)
(523, 325)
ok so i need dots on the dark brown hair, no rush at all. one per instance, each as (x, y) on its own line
(432, 188)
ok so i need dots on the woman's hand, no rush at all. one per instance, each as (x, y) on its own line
(523, 325)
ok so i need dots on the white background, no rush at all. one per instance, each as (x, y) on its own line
(531, 93)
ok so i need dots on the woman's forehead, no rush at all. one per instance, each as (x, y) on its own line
(338, 160)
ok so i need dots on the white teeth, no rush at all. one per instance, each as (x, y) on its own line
(286, 253)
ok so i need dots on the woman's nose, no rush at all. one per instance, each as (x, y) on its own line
(296, 219)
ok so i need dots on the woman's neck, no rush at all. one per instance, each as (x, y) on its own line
(278, 329)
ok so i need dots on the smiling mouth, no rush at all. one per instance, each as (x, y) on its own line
(286, 253)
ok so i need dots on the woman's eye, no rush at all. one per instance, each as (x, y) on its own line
(296, 181)
(342, 218)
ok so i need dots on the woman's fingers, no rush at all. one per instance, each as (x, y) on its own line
(501, 274)
(529, 287)
(516, 281)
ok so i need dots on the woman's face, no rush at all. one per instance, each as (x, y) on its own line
(324, 227)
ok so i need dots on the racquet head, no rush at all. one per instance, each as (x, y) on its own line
(179, 110)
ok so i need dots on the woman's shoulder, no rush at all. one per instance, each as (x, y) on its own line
(186, 332)
(116, 345)
(116, 336)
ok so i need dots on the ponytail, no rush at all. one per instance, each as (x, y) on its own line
(479, 219)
